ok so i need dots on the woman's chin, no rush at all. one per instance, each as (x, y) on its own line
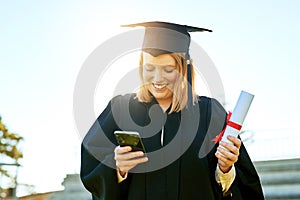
(162, 96)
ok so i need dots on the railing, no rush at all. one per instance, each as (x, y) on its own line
(280, 178)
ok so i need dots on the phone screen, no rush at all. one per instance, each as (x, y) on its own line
(130, 138)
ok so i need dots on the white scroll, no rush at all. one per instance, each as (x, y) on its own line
(238, 115)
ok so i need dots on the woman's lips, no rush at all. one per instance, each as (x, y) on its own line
(159, 86)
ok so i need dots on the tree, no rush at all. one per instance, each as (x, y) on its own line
(9, 148)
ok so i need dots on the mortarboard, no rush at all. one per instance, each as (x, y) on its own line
(165, 37)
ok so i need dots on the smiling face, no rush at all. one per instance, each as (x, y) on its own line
(160, 75)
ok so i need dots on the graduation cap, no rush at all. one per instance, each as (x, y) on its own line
(165, 37)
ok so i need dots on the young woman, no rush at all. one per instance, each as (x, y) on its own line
(181, 160)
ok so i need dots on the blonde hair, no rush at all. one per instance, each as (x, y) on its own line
(180, 93)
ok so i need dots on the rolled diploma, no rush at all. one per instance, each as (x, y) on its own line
(238, 115)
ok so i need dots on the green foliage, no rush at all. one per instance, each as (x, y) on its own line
(9, 146)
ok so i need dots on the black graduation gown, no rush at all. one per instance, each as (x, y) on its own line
(191, 176)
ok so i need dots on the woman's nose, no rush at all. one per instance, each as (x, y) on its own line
(157, 76)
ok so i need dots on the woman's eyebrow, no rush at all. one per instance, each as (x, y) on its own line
(174, 66)
(152, 65)
(148, 64)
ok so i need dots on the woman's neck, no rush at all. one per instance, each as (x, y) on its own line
(164, 103)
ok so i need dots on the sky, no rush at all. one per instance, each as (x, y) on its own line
(43, 45)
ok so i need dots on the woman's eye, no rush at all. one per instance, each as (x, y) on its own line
(169, 69)
(148, 68)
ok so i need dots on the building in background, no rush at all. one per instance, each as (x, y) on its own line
(73, 189)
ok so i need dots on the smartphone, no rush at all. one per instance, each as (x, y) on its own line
(130, 138)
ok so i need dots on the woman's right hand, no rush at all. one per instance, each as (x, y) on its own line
(127, 159)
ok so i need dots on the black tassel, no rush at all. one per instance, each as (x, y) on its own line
(189, 78)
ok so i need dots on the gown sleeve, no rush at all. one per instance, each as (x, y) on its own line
(247, 183)
(97, 171)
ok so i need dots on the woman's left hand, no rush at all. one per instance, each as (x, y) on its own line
(227, 153)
